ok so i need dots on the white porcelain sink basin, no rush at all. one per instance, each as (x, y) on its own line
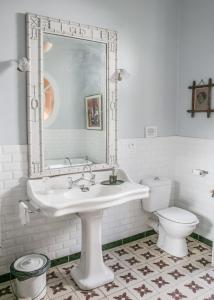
(54, 198)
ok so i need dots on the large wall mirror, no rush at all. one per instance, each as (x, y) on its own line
(71, 96)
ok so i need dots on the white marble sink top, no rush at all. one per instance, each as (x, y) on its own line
(54, 198)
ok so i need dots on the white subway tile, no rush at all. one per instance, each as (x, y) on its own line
(5, 158)
(173, 157)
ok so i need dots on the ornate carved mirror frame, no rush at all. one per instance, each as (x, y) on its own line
(36, 26)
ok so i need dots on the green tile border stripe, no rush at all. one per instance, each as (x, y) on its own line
(65, 259)
(201, 239)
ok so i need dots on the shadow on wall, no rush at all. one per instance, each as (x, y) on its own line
(4, 65)
(21, 79)
(186, 205)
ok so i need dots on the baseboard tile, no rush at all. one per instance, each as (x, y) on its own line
(65, 259)
(201, 239)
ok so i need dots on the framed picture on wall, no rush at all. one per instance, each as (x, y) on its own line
(93, 108)
(201, 99)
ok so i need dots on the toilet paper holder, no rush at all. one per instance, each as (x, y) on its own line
(200, 172)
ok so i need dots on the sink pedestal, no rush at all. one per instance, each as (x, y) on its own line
(91, 271)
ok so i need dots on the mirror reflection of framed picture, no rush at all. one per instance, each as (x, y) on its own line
(201, 99)
(93, 107)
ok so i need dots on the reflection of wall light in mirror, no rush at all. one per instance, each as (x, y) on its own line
(120, 74)
(47, 46)
(51, 100)
(48, 99)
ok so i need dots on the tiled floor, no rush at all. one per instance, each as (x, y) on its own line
(142, 271)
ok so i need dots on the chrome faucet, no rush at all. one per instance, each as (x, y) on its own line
(83, 188)
(68, 159)
(72, 182)
(92, 179)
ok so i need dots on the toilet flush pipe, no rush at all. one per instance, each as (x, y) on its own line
(154, 224)
(150, 221)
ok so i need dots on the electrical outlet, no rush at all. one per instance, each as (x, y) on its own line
(151, 131)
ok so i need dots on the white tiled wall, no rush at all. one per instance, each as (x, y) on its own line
(174, 157)
(194, 192)
(147, 157)
(61, 236)
(61, 143)
(95, 143)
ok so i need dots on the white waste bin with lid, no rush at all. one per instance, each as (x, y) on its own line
(30, 276)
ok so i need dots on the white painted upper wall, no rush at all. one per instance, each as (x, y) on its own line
(196, 62)
(147, 49)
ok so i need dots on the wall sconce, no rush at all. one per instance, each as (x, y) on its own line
(120, 74)
(23, 65)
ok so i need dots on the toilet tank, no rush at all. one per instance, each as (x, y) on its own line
(160, 193)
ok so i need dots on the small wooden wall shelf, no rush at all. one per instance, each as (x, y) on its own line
(201, 98)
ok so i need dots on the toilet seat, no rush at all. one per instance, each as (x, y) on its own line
(177, 215)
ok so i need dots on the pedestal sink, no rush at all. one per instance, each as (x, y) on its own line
(54, 199)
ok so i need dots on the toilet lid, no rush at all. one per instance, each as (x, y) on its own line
(177, 215)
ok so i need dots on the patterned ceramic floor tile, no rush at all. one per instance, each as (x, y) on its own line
(190, 240)
(72, 283)
(174, 259)
(204, 261)
(207, 296)
(53, 275)
(142, 290)
(161, 263)
(121, 252)
(135, 247)
(117, 267)
(207, 278)
(111, 288)
(6, 291)
(69, 296)
(159, 296)
(158, 251)
(145, 271)
(108, 256)
(58, 289)
(174, 294)
(122, 295)
(200, 248)
(148, 255)
(95, 294)
(149, 241)
(142, 271)
(192, 254)
(191, 268)
(191, 288)
(65, 269)
(176, 275)
(128, 278)
(133, 260)
(161, 282)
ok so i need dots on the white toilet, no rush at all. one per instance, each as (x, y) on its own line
(175, 224)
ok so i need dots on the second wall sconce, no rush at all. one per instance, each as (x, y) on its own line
(120, 74)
